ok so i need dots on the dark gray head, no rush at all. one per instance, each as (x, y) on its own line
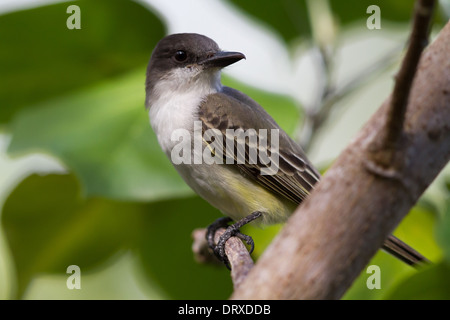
(184, 57)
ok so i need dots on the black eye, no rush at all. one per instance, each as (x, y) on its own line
(180, 56)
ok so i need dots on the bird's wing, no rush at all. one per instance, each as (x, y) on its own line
(231, 109)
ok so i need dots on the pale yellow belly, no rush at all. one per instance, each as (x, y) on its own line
(234, 195)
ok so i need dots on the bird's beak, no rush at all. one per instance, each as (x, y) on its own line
(222, 59)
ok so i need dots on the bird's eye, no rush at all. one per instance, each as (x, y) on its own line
(180, 56)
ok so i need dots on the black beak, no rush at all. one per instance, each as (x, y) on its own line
(221, 59)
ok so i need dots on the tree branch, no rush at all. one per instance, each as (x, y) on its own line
(237, 254)
(331, 237)
(384, 149)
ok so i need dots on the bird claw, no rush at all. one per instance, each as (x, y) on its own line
(231, 231)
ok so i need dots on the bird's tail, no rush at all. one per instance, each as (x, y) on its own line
(402, 251)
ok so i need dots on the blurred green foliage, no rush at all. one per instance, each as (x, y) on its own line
(114, 152)
(42, 59)
(56, 227)
(291, 20)
(79, 96)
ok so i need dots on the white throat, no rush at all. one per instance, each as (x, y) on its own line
(175, 98)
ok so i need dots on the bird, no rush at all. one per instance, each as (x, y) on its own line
(193, 116)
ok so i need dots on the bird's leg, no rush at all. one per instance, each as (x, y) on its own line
(213, 227)
(232, 230)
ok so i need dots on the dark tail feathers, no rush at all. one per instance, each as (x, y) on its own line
(402, 251)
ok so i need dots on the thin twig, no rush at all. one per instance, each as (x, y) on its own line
(384, 150)
(237, 254)
(321, 110)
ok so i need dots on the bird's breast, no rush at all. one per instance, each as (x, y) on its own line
(172, 113)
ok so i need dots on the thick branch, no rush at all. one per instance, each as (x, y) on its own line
(330, 239)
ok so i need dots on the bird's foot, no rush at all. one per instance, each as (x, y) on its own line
(231, 231)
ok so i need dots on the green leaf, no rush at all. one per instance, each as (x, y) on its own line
(432, 283)
(49, 227)
(391, 272)
(41, 58)
(166, 253)
(102, 134)
(288, 18)
(443, 232)
(417, 230)
(291, 18)
(351, 11)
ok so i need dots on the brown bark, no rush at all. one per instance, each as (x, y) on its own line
(237, 253)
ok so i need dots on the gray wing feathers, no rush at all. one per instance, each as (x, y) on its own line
(231, 109)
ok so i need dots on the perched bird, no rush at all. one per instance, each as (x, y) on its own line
(218, 140)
